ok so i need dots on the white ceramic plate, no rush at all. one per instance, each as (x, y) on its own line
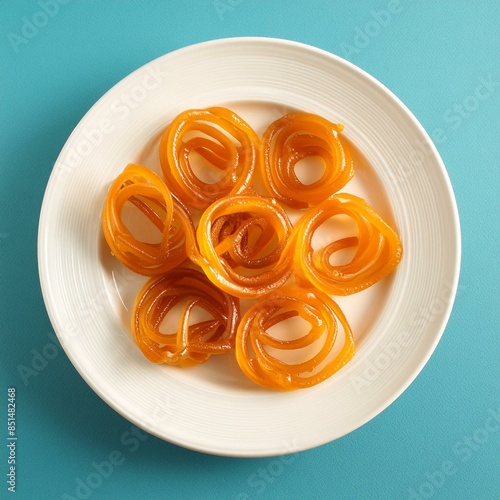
(213, 408)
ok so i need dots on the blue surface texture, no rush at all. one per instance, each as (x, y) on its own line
(441, 438)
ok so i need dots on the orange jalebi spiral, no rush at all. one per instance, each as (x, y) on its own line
(226, 143)
(190, 343)
(242, 244)
(253, 341)
(146, 191)
(294, 137)
(378, 248)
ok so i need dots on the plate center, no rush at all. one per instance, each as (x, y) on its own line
(222, 372)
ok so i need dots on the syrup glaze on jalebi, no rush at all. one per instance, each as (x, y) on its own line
(253, 340)
(297, 136)
(190, 343)
(146, 191)
(224, 140)
(243, 245)
(378, 248)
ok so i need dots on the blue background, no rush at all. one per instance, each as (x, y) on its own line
(441, 438)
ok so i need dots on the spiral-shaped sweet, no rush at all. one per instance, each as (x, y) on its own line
(257, 351)
(378, 248)
(148, 193)
(243, 245)
(297, 136)
(229, 148)
(191, 343)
